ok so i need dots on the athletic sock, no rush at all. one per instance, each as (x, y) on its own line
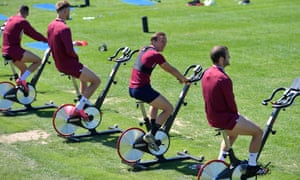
(25, 75)
(88, 102)
(154, 129)
(81, 103)
(222, 155)
(252, 159)
(152, 121)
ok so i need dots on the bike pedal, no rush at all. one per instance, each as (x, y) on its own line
(154, 147)
(73, 119)
(265, 169)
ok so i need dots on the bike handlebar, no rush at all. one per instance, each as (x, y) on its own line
(197, 73)
(126, 55)
(287, 98)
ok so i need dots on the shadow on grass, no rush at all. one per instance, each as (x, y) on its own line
(8, 76)
(109, 140)
(43, 113)
(186, 167)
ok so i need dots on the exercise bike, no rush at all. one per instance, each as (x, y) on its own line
(66, 126)
(131, 146)
(10, 93)
(217, 169)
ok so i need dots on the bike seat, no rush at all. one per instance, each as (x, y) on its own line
(68, 76)
(219, 131)
(139, 102)
(7, 59)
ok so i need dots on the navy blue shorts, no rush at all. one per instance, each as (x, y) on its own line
(146, 93)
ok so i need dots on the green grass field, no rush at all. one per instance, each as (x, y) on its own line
(264, 41)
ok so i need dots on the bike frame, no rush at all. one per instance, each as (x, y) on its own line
(285, 101)
(111, 80)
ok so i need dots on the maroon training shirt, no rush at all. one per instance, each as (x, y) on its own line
(149, 60)
(220, 107)
(60, 42)
(12, 36)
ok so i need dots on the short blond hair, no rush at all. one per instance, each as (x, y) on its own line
(60, 5)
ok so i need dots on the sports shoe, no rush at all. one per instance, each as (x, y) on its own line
(194, 3)
(79, 114)
(209, 2)
(149, 138)
(22, 83)
(255, 170)
(244, 2)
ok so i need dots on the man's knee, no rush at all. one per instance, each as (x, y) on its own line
(259, 132)
(169, 109)
(96, 81)
(38, 62)
(30, 57)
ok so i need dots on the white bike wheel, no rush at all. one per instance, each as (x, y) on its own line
(60, 120)
(95, 117)
(4, 88)
(164, 143)
(211, 169)
(26, 99)
(125, 143)
(238, 172)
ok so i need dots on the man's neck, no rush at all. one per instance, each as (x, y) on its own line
(219, 67)
(61, 17)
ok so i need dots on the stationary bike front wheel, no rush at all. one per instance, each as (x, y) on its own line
(211, 169)
(164, 143)
(26, 98)
(125, 145)
(239, 171)
(60, 120)
(4, 88)
(95, 117)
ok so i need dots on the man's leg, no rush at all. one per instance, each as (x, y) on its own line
(88, 76)
(247, 127)
(159, 103)
(224, 150)
(28, 57)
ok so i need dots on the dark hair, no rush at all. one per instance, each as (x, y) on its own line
(24, 10)
(217, 52)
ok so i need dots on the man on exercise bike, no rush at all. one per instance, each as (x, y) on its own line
(221, 109)
(140, 87)
(11, 45)
(67, 61)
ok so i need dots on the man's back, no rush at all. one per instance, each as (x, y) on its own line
(60, 42)
(12, 32)
(219, 100)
